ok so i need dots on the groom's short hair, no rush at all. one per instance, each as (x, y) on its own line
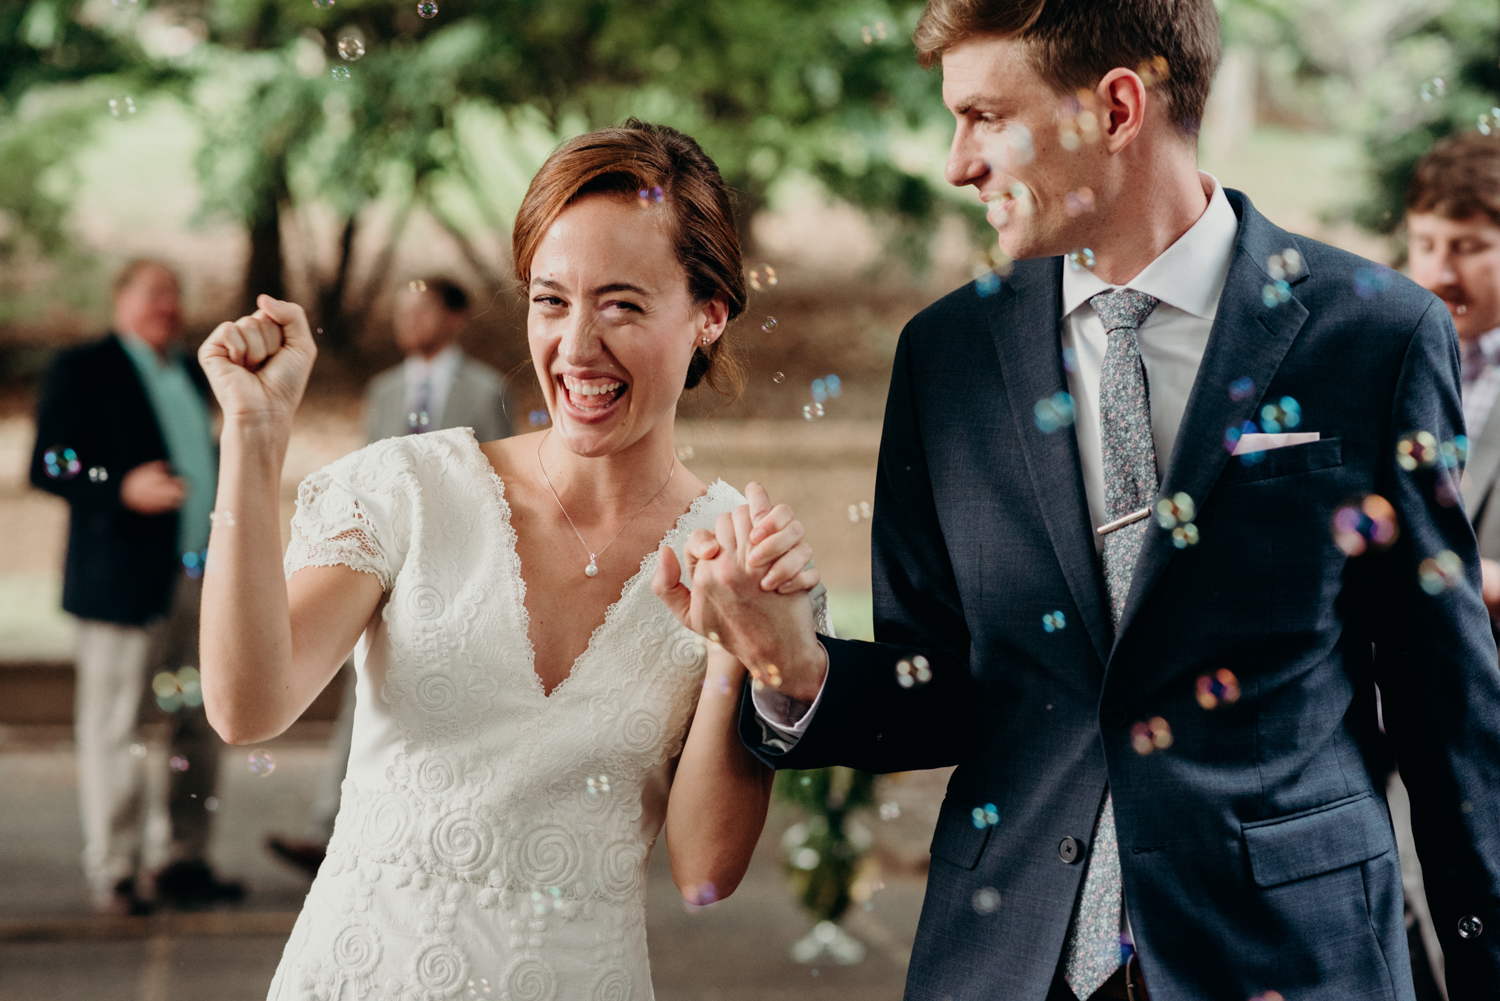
(1459, 179)
(1075, 42)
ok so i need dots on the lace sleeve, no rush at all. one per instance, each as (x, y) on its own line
(332, 527)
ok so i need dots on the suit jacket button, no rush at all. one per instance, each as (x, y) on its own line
(1068, 850)
(1114, 716)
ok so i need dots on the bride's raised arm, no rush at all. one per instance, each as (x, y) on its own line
(269, 645)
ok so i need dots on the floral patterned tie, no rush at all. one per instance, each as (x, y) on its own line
(1092, 950)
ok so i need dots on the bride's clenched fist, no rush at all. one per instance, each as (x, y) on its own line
(258, 365)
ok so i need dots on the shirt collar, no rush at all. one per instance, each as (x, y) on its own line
(441, 364)
(1189, 274)
(143, 352)
(1489, 346)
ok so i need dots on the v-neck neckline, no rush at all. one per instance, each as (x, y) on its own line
(513, 555)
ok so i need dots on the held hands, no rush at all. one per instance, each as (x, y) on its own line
(150, 488)
(749, 593)
(258, 365)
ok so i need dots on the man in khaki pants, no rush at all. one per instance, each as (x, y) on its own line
(123, 435)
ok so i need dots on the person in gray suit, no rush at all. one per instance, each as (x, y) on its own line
(437, 386)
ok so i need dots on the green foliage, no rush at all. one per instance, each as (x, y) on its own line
(825, 848)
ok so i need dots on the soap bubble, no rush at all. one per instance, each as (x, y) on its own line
(211, 804)
(177, 763)
(769, 325)
(1154, 71)
(1433, 89)
(1441, 572)
(427, 8)
(1489, 122)
(1470, 926)
(194, 562)
(685, 452)
(806, 858)
(1370, 282)
(123, 3)
(987, 285)
(1417, 450)
(1176, 510)
(61, 462)
(351, 47)
(648, 196)
(262, 763)
(812, 411)
(1365, 525)
(1275, 294)
(890, 811)
(1053, 412)
(1220, 688)
(1076, 203)
(1287, 264)
(763, 277)
(341, 73)
(1152, 735)
(122, 106)
(1070, 360)
(1281, 415)
(539, 417)
(910, 673)
(98, 474)
(779, 378)
(986, 900)
(860, 512)
(1081, 259)
(1020, 148)
(985, 816)
(873, 34)
(1054, 621)
(323, 4)
(1242, 389)
(418, 420)
(597, 785)
(138, 750)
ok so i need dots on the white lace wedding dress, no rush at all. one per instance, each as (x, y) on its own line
(492, 840)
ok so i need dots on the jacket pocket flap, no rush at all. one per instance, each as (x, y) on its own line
(1342, 833)
(1304, 458)
(956, 839)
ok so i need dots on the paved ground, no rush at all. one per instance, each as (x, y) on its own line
(51, 948)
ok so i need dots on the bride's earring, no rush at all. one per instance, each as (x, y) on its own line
(707, 340)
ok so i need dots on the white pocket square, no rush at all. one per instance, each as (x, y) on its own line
(1266, 442)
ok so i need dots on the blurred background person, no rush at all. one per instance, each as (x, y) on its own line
(1453, 225)
(124, 436)
(438, 386)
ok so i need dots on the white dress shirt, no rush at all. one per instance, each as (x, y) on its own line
(1188, 278)
(1480, 379)
(436, 374)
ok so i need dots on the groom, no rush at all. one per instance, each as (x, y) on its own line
(1106, 583)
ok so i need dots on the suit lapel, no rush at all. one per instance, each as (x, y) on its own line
(1024, 325)
(1248, 339)
(1484, 463)
(458, 408)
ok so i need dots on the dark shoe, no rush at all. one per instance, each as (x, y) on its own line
(123, 901)
(192, 885)
(305, 855)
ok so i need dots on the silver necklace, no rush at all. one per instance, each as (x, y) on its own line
(592, 569)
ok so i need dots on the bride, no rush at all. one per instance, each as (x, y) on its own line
(529, 712)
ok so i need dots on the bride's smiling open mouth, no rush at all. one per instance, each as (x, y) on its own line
(590, 395)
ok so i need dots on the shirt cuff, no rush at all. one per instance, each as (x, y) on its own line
(786, 717)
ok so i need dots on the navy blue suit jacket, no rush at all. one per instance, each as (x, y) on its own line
(121, 566)
(1257, 850)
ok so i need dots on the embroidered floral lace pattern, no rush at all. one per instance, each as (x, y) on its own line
(471, 844)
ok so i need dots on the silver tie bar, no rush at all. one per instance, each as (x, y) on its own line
(1121, 522)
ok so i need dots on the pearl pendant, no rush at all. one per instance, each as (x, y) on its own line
(592, 569)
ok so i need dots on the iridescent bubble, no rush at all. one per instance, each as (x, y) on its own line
(779, 378)
(1275, 294)
(812, 411)
(539, 417)
(1070, 360)
(323, 4)
(985, 816)
(1154, 71)
(890, 811)
(1218, 688)
(986, 900)
(1368, 524)
(685, 452)
(1020, 148)
(833, 386)
(177, 763)
(1287, 264)
(122, 106)
(1470, 926)
(987, 285)
(1433, 89)
(61, 462)
(418, 421)
(819, 391)
(1441, 572)
(138, 750)
(262, 763)
(805, 858)
(98, 474)
(194, 562)
(190, 686)
(652, 195)
(763, 277)
(872, 34)
(1280, 415)
(167, 691)
(1077, 203)
(340, 73)
(1081, 259)
(351, 47)
(597, 785)
(1489, 121)
(1242, 389)
(769, 325)
(860, 512)
(1054, 621)
(1175, 511)
(211, 804)
(913, 672)
(427, 8)
(1053, 412)
(1370, 282)
(123, 3)
(1417, 450)
(1454, 454)
(1152, 735)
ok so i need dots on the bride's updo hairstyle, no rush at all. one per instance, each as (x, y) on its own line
(666, 171)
